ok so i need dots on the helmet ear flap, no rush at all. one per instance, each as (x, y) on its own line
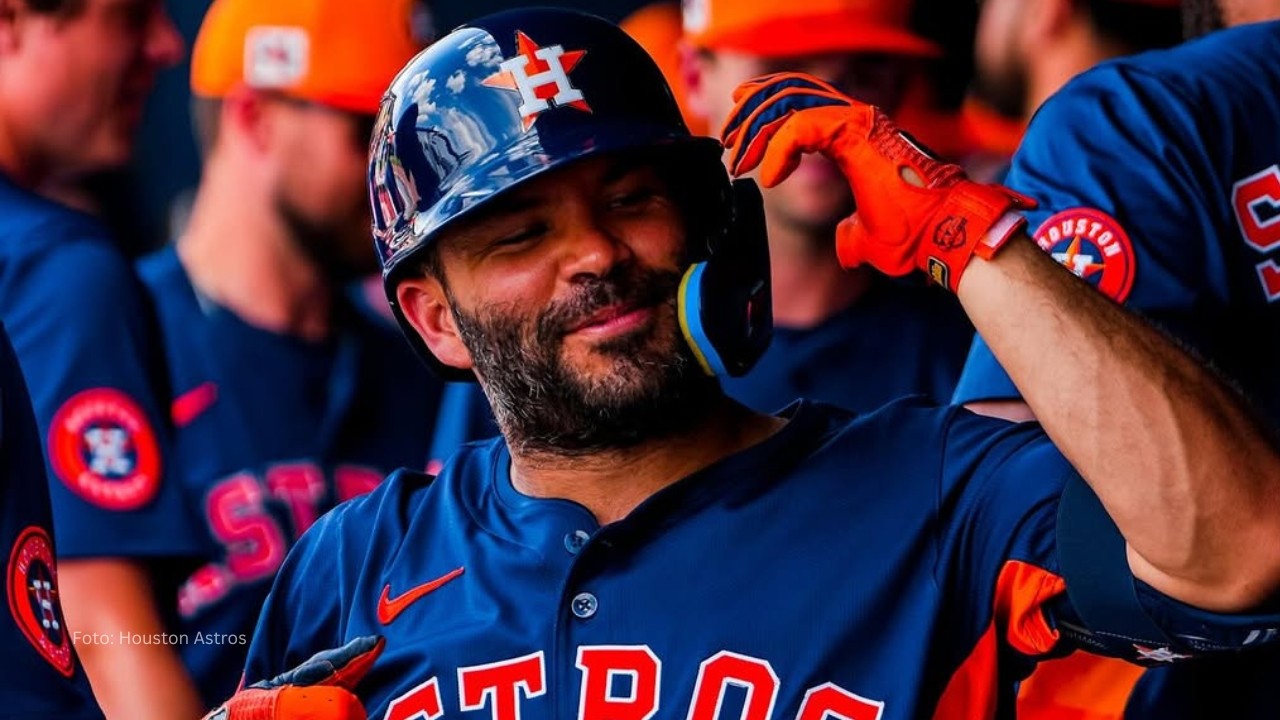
(726, 301)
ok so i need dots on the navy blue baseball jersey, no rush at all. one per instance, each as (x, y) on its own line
(271, 431)
(85, 339)
(898, 339)
(464, 416)
(883, 566)
(41, 678)
(1158, 178)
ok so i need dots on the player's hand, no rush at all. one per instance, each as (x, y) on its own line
(914, 210)
(319, 689)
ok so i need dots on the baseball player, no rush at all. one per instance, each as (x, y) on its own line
(1024, 53)
(288, 399)
(1174, 141)
(42, 677)
(636, 544)
(74, 75)
(831, 327)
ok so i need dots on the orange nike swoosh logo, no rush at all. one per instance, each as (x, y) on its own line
(389, 610)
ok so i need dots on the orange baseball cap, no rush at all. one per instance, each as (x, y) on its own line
(780, 28)
(339, 53)
(657, 28)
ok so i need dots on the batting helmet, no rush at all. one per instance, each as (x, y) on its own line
(506, 98)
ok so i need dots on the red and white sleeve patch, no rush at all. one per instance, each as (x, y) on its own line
(1094, 246)
(102, 446)
(31, 583)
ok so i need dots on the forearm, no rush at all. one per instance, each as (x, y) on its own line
(105, 601)
(1188, 475)
(141, 682)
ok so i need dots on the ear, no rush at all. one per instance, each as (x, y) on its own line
(693, 68)
(246, 117)
(425, 305)
(1045, 22)
(11, 17)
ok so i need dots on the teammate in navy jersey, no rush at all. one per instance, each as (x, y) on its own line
(1024, 53)
(1159, 182)
(831, 325)
(289, 399)
(636, 544)
(42, 677)
(74, 75)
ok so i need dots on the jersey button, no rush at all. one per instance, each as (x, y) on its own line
(575, 541)
(585, 605)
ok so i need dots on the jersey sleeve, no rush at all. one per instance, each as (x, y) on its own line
(997, 566)
(301, 615)
(1123, 202)
(84, 335)
(43, 677)
(1028, 548)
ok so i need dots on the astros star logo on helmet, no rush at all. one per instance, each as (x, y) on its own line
(541, 76)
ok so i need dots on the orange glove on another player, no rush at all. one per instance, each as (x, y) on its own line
(318, 689)
(914, 210)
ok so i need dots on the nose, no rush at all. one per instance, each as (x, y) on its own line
(591, 250)
(165, 46)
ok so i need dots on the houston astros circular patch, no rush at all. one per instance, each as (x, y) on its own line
(32, 585)
(103, 448)
(1092, 245)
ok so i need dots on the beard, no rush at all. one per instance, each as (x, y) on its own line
(1201, 17)
(1005, 89)
(653, 389)
(333, 246)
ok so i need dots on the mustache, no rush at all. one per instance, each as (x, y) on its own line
(631, 286)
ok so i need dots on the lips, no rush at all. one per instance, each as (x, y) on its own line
(133, 96)
(603, 316)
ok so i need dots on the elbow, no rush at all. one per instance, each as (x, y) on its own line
(1253, 563)
(1241, 579)
(1244, 594)
(1258, 584)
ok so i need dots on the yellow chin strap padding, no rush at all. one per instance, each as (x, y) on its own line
(686, 322)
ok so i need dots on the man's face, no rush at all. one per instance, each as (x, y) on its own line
(816, 197)
(1001, 78)
(564, 295)
(77, 84)
(320, 192)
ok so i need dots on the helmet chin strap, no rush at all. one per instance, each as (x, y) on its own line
(726, 301)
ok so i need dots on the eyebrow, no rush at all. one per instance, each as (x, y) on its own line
(522, 200)
(464, 235)
(621, 168)
(504, 207)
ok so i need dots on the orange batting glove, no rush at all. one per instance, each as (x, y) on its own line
(319, 689)
(914, 210)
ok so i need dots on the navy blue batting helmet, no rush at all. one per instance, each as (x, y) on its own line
(504, 99)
